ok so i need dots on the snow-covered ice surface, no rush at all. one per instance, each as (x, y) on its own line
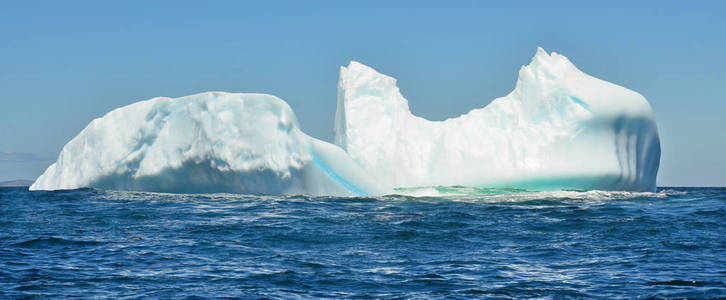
(205, 143)
(559, 129)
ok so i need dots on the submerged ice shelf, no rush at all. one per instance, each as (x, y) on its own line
(558, 129)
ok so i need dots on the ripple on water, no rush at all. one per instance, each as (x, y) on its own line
(435, 242)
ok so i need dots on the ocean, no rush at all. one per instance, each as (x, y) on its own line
(442, 242)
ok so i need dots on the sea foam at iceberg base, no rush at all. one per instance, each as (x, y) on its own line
(558, 129)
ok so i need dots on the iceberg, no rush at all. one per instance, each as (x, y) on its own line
(211, 142)
(558, 129)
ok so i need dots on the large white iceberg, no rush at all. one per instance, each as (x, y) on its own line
(559, 129)
(209, 142)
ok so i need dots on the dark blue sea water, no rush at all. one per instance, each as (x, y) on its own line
(477, 243)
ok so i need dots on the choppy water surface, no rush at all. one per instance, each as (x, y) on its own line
(462, 243)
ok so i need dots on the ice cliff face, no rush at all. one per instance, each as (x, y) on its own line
(559, 129)
(209, 142)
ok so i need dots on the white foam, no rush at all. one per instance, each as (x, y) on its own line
(469, 194)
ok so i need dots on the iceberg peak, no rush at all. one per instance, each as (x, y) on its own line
(547, 67)
(552, 61)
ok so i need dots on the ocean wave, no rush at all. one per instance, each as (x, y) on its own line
(463, 193)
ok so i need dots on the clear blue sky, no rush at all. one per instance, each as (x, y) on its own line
(63, 63)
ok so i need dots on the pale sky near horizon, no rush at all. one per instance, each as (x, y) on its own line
(63, 63)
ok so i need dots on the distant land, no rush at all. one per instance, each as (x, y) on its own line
(16, 183)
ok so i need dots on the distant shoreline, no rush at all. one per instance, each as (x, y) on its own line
(16, 183)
